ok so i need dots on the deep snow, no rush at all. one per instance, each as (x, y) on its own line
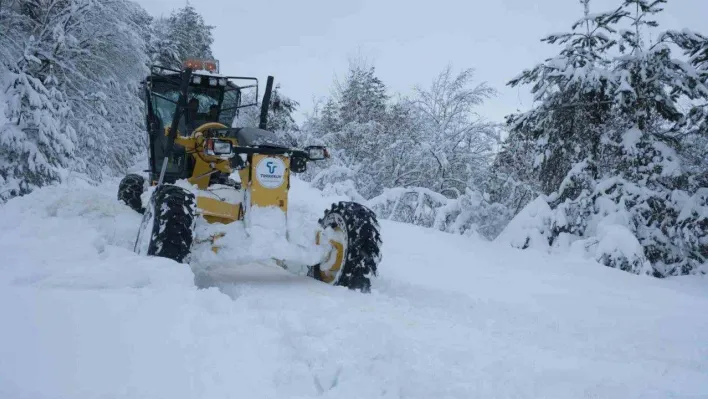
(449, 317)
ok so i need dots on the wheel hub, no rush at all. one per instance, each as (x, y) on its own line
(331, 268)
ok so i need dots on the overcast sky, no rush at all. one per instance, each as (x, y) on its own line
(306, 44)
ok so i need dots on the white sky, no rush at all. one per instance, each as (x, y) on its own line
(306, 44)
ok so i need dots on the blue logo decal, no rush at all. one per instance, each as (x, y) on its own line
(271, 167)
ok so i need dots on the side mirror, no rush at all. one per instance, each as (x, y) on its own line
(317, 152)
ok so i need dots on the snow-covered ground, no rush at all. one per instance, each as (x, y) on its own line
(81, 316)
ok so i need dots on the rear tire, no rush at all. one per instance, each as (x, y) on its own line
(130, 189)
(362, 249)
(168, 224)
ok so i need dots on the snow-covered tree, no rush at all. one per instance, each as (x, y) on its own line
(610, 138)
(190, 35)
(574, 92)
(36, 143)
(694, 126)
(281, 110)
(420, 160)
(281, 115)
(651, 84)
(352, 124)
(403, 164)
(362, 97)
(457, 143)
(512, 179)
(163, 48)
(79, 63)
(103, 86)
(330, 116)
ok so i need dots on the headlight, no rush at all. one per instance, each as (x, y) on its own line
(223, 149)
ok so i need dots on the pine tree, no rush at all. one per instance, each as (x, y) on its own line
(694, 125)
(621, 148)
(352, 124)
(190, 34)
(163, 48)
(35, 142)
(645, 72)
(330, 116)
(651, 83)
(575, 91)
(363, 97)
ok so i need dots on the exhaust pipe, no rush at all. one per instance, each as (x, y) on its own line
(266, 103)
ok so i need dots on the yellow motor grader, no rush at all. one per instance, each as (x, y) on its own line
(203, 170)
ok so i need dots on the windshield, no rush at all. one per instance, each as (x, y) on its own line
(203, 105)
(232, 99)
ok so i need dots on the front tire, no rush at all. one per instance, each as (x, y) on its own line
(168, 224)
(356, 247)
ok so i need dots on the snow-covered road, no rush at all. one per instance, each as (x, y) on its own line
(81, 316)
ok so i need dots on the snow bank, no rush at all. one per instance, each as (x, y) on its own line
(70, 237)
(469, 214)
(530, 228)
(618, 224)
(614, 245)
(414, 205)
